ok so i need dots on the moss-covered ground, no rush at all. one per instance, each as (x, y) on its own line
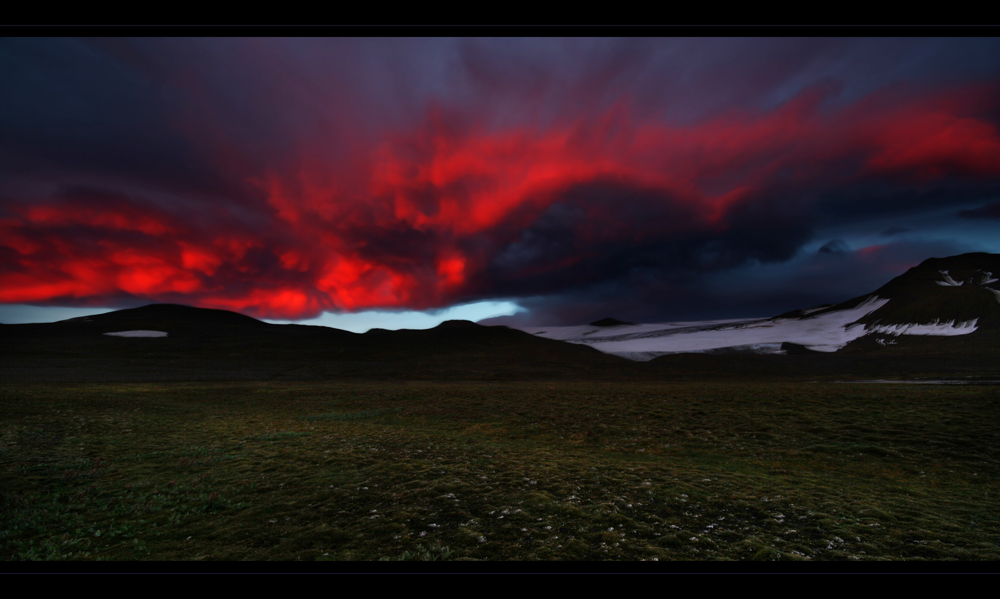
(499, 471)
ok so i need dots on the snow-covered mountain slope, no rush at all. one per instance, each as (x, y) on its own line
(956, 289)
(828, 332)
(940, 297)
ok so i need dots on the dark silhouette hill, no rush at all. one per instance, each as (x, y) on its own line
(168, 315)
(203, 344)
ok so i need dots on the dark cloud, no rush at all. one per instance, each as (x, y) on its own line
(854, 205)
(756, 291)
(989, 211)
(894, 231)
(68, 108)
(583, 178)
(834, 246)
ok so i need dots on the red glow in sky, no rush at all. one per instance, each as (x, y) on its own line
(421, 224)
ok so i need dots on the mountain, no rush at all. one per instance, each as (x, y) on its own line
(172, 316)
(172, 342)
(941, 318)
(956, 298)
(960, 290)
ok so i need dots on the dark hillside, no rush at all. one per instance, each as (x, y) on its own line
(219, 345)
(925, 293)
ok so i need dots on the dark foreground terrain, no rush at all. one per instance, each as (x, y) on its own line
(487, 470)
(215, 345)
(234, 439)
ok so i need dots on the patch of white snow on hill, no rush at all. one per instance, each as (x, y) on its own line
(987, 278)
(995, 292)
(948, 281)
(584, 333)
(825, 332)
(756, 348)
(949, 328)
(137, 334)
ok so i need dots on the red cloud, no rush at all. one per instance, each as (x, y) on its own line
(421, 219)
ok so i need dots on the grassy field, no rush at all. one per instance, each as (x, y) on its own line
(499, 471)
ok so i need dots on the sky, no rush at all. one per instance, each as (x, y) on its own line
(395, 183)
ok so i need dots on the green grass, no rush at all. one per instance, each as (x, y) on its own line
(499, 471)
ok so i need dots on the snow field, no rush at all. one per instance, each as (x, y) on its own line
(825, 333)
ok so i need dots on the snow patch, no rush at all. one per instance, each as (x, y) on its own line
(948, 281)
(137, 334)
(763, 348)
(825, 332)
(756, 348)
(987, 278)
(643, 356)
(949, 328)
(586, 333)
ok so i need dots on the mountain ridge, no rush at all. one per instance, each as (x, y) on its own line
(958, 288)
(958, 296)
(866, 334)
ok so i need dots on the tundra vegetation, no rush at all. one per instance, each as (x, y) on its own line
(687, 470)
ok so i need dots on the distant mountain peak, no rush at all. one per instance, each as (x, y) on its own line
(958, 288)
(153, 316)
(956, 297)
(458, 324)
(940, 297)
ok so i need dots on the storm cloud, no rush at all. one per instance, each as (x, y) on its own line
(580, 178)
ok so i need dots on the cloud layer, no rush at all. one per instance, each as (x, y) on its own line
(582, 178)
